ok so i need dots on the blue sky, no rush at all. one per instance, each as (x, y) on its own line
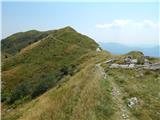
(126, 23)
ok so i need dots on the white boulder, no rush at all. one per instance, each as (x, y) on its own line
(131, 66)
(134, 61)
(132, 102)
(114, 65)
(98, 49)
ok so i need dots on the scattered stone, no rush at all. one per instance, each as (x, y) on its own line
(115, 92)
(127, 60)
(131, 66)
(132, 102)
(114, 65)
(9, 110)
(155, 66)
(133, 61)
(98, 49)
(110, 60)
(124, 66)
(125, 116)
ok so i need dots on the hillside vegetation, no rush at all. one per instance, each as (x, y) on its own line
(62, 77)
(14, 43)
(40, 65)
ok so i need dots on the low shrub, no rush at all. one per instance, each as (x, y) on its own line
(39, 89)
(19, 92)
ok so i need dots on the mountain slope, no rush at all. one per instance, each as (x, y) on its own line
(71, 98)
(44, 62)
(96, 93)
(63, 77)
(14, 43)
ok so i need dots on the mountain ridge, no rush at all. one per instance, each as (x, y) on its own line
(63, 76)
(53, 56)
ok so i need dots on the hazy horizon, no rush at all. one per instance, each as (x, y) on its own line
(132, 45)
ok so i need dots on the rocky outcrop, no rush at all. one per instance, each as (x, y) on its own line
(155, 66)
(130, 63)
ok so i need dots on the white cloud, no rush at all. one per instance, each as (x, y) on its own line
(129, 31)
(103, 25)
(129, 23)
(118, 22)
(146, 24)
(121, 22)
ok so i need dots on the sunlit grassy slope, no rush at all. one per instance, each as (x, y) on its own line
(45, 61)
(88, 95)
(18, 41)
(144, 85)
(79, 85)
(77, 97)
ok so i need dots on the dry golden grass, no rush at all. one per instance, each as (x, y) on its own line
(74, 97)
(11, 73)
(29, 47)
(52, 105)
(87, 95)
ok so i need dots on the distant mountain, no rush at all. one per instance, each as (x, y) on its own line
(117, 48)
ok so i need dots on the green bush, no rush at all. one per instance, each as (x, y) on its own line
(4, 96)
(19, 92)
(48, 81)
(66, 70)
(39, 89)
(45, 82)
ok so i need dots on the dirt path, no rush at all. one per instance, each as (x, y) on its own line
(101, 70)
(122, 112)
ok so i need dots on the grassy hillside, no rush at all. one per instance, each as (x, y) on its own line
(73, 98)
(96, 93)
(142, 84)
(39, 66)
(62, 77)
(14, 43)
